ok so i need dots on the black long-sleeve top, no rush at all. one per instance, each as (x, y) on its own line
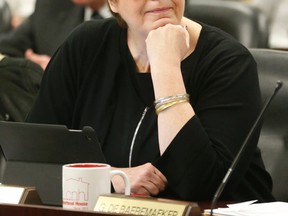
(92, 80)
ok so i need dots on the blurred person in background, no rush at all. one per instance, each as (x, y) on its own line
(38, 37)
(5, 17)
(267, 6)
(21, 10)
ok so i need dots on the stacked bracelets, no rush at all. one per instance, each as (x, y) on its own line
(166, 102)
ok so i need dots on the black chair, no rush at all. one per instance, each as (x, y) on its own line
(19, 83)
(5, 17)
(246, 23)
(273, 66)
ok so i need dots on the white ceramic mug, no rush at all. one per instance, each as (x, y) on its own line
(82, 183)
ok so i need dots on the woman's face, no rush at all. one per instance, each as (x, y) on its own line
(144, 15)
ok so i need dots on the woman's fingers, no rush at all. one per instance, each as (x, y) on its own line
(144, 179)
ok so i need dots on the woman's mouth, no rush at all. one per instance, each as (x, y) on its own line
(159, 10)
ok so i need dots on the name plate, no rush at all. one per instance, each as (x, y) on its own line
(1, 56)
(18, 195)
(145, 206)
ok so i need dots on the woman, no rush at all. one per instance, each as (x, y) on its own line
(171, 100)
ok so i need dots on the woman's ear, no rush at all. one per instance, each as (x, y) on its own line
(113, 5)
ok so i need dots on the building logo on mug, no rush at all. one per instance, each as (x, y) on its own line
(79, 195)
(82, 183)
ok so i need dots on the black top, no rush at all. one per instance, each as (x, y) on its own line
(92, 80)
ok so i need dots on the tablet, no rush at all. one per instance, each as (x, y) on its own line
(33, 155)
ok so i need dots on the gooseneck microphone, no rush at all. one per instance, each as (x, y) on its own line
(243, 146)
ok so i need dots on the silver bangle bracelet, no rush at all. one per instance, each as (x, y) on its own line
(164, 100)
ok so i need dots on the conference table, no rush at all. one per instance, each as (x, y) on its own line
(41, 210)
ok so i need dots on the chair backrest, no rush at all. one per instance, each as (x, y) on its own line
(273, 142)
(246, 23)
(5, 17)
(19, 83)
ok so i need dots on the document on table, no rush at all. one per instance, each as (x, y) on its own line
(11, 195)
(251, 208)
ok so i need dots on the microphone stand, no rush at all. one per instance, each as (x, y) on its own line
(239, 154)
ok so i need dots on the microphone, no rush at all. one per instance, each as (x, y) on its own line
(239, 154)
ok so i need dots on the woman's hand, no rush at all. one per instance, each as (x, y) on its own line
(167, 44)
(41, 60)
(144, 180)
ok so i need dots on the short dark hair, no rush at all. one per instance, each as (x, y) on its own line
(119, 19)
